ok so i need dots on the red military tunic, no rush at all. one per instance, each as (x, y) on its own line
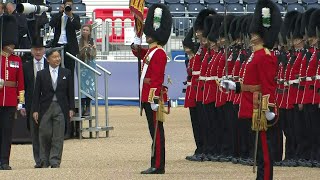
(188, 101)
(196, 72)
(288, 68)
(230, 65)
(211, 90)
(155, 73)
(238, 74)
(260, 69)
(281, 89)
(302, 76)
(294, 80)
(12, 72)
(310, 93)
(206, 86)
(201, 79)
(221, 97)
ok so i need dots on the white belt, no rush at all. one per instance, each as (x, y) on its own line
(211, 78)
(293, 81)
(202, 78)
(195, 72)
(227, 77)
(286, 83)
(188, 83)
(280, 80)
(317, 77)
(308, 79)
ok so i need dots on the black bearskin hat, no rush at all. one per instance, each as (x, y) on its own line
(268, 34)
(305, 20)
(199, 22)
(314, 23)
(226, 21)
(214, 30)
(283, 33)
(9, 30)
(239, 30)
(233, 27)
(245, 24)
(296, 32)
(162, 31)
(188, 42)
(208, 22)
(289, 23)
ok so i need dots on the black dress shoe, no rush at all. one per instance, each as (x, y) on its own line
(197, 158)
(278, 163)
(55, 166)
(304, 163)
(44, 165)
(37, 166)
(5, 167)
(153, 171)
(316, 164)
(224, 158)
(235, 160)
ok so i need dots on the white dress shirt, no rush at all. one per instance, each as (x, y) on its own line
(54, 75)
(63, 35)
(35, 62)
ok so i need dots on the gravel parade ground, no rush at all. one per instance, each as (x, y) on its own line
(127, 152)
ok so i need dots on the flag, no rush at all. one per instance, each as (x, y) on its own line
(137, 8)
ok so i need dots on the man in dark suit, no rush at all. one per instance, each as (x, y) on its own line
(65, 24)
(30, 69)
(53, 105)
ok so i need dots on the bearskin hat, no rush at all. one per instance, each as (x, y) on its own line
(314, 23)
(208, 21)
(199, 22)
(282, 33)
(289, 23)
(268, 34)
(296, 32)
(233, 27)
(214, 31)
(9, 30)
(188, 42)
(246, 21)
(305, 20)
(226, 22)
(158, 23)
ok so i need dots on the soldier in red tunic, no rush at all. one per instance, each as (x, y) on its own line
(157, 29)
(312, 88)
(11, 86)
(195, 91)
(259, 82)
(189, 102)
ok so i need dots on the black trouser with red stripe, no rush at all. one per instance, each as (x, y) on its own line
(235, 131)
(6, 125)
(264, 156)
(158, 160)
(196, 129)
(227, 141)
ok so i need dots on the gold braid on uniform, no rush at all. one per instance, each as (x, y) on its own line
(21, 97)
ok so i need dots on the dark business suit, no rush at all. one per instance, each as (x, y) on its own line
(72, 43)
(53, 114)
(29, 83)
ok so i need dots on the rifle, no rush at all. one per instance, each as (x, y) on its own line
(1, 28)
(226, 44)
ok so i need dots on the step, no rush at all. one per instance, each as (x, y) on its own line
(83, 118)
(97, 129)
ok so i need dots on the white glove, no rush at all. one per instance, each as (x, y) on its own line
(20, 106)
(231, 85)
(154, 106)
(270, 115)
(137, 40)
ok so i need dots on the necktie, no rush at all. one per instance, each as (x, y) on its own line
(54, 75)
(38, 66)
